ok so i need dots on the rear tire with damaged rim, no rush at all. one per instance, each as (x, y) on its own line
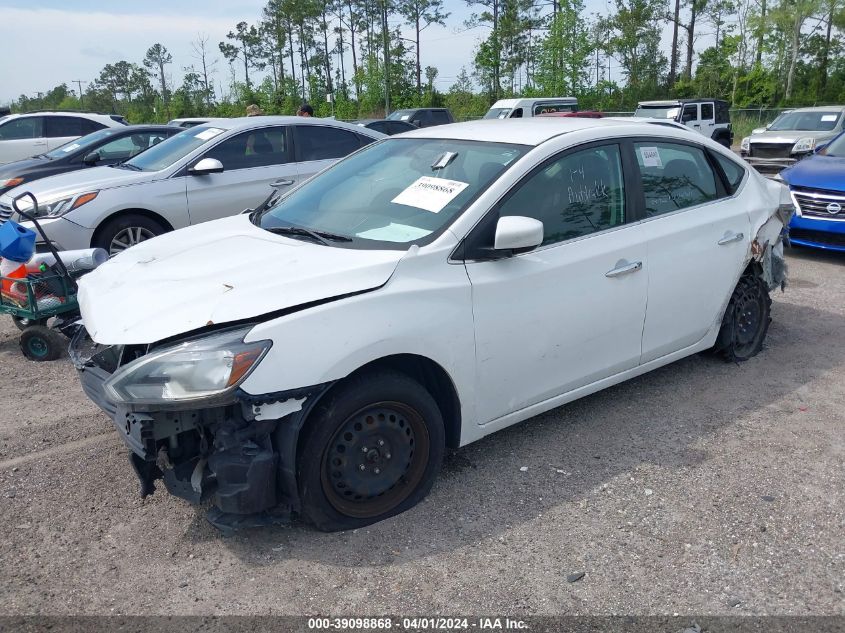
(746, 320)
(372, 449)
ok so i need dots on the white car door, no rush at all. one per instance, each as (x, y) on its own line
(570, 312)
(22, 137)
(253, 161)
(698, 241)
(318, 146)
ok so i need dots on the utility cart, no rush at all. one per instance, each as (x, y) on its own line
(43, 305)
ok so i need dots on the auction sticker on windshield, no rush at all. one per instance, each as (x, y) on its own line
(209, 133)
(431, 194)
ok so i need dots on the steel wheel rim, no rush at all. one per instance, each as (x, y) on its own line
(129, 237)
(748, 317)
(390, 440)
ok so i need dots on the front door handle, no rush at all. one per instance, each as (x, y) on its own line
(283, 182)
(624, 268)
(730, 237)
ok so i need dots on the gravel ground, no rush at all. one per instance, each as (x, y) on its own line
(701, 488)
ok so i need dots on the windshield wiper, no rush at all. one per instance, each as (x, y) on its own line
(321, 237)
(125, 166)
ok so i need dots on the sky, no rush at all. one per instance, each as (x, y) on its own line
(49, 42)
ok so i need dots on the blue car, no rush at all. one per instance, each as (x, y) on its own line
(817, 184)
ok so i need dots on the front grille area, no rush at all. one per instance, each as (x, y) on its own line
(5, 212)
(818, 237)
(817, 203)
(770, 150)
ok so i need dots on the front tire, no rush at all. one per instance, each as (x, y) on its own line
(746, 320)
(372, 449)
(125, 231)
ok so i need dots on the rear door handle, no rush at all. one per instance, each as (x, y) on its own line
(624, 268)
(730, 237)
(282, 182)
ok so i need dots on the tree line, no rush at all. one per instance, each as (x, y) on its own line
(358, 58)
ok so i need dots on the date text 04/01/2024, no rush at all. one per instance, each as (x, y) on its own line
(416, 624)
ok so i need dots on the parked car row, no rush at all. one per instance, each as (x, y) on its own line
(200, 173)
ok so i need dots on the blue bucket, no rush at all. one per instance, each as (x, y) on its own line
(17, 243)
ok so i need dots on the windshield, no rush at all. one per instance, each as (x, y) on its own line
(497, 113)
(813, 121)
(395, 192)
(80, 144)
(175, 148)
(657, 112)
(400, 115)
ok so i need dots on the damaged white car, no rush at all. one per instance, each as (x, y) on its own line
(318, 355)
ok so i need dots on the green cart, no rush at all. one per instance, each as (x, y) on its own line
(43, 305)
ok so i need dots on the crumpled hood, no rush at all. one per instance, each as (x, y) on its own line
(817, 172)
(91, 179)
(218, 272)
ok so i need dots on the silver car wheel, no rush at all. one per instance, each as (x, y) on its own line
(129, 237)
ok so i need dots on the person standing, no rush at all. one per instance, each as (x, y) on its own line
(253, 110)
(305, 110)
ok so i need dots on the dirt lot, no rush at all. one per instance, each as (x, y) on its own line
(701, 488)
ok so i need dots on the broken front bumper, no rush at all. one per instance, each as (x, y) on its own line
(236, 455)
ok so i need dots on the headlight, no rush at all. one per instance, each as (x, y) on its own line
(8, 183)
(804, 145)
(746, 144)
(206, 368)
(55, 208)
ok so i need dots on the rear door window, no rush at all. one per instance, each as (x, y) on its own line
(674, 177)
(706, 111)
(439, 117)
(60, 126)
(319, 142)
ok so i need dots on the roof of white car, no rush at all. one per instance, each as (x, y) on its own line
(531, 131)
(94, 116)
(510, 103)
(249, 122)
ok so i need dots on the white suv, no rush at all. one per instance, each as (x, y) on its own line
(25, 135)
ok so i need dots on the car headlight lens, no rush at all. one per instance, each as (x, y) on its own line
(746, 144)
(206, 368)
(807, 144)
(56, 208)
(8, 183)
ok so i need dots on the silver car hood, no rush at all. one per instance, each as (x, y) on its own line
(83, 181)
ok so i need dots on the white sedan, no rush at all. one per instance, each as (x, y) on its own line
(318, 355)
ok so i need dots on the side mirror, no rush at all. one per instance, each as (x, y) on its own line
(518, 234)
(206, 166)
(92, 158)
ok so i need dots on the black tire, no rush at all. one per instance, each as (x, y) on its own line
(40, 343)
(746, 320)
(399, 424)
(22, 323)
(126, 230)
